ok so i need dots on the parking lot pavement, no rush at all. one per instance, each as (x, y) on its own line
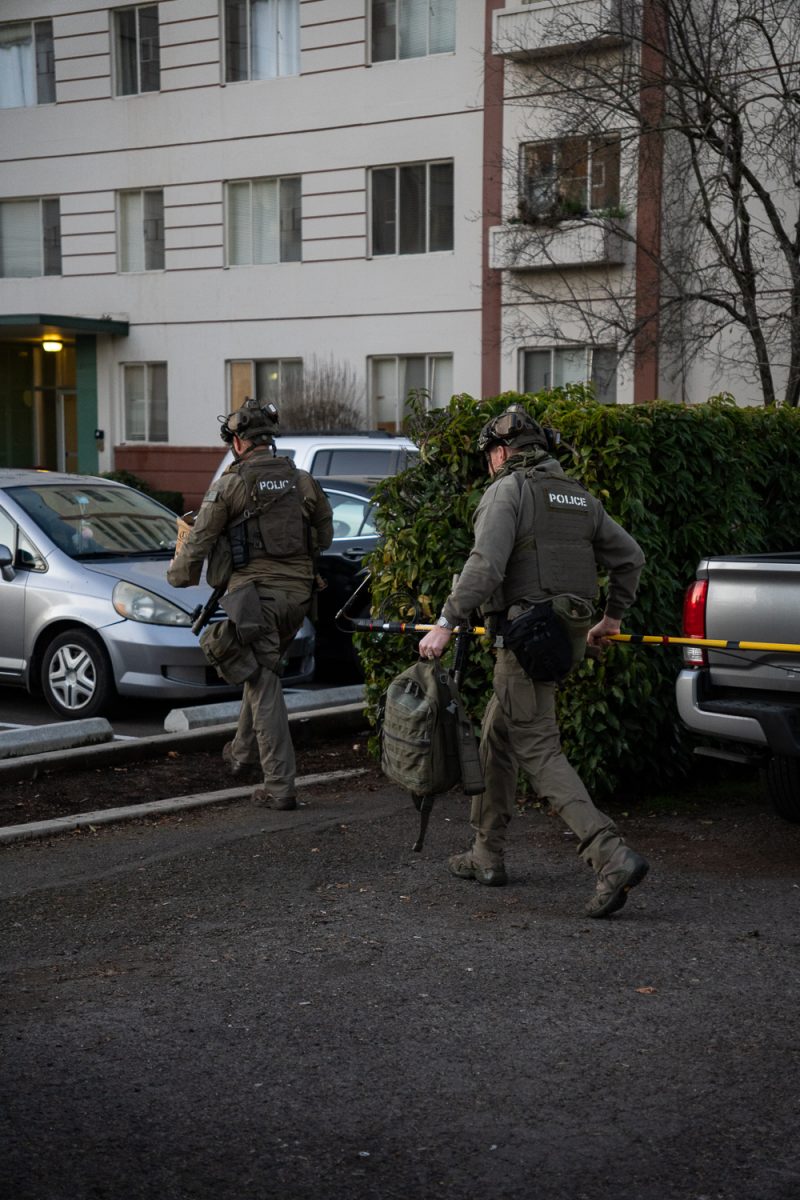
(238, 1003)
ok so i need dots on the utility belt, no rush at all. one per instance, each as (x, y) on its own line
(547, 637)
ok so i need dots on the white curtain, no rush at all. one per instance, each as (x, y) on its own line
(288, 37)
(135, 409)
(239, 231)
(17, 73)
(441, 380)
(274, 38)
(443, 26)
(131, 232)
(263, 39)
(413, 28)
(266, 221)
(20, 238)
(384, 392)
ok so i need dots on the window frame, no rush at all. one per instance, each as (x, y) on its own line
(401, 401)
(252, 364)
(144, 269)
(561, 205)
(297, 214)
(42, 43)
(591, 367)
(117, 70)
(147, 367)
(55, 242)
(397, 212)
(229, 77)
(396, 56)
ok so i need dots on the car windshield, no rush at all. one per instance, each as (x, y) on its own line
(95, 521)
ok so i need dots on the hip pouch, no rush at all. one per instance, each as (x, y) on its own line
(549, 638)
(233, 661)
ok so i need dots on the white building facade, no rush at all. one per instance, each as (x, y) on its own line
(200, 198)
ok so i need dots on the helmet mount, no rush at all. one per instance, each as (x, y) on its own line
(253, 422)
(516, 428)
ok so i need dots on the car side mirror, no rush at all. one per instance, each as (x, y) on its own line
(7, 564)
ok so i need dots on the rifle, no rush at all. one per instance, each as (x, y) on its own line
(204, 612)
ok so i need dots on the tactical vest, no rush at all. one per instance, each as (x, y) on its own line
(275, 523)
(555, 556)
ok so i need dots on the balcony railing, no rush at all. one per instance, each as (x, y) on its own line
(543, 30)
(587, 243)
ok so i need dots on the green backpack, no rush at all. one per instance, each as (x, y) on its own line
(428, 744)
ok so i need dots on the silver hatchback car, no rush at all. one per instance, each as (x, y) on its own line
(86, 613)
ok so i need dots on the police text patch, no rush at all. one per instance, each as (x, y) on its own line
(567, 501)
(272, 485)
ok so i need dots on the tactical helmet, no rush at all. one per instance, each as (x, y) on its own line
(253, 421)
(515, 427)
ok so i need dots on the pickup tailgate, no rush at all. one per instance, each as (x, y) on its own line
(753, 599)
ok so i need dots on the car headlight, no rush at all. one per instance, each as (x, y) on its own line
(137, 604)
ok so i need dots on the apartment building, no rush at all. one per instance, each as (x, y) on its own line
(199, 198)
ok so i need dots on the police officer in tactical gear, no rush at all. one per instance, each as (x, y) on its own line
(260, 526)
(539, 536)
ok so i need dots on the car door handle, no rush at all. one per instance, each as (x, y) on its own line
(355, 552)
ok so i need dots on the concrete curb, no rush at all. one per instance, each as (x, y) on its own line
(200, 716)
(61, 735)
(155, 808)
(343, 718)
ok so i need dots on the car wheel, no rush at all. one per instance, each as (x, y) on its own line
(782, 783)
(76, 675)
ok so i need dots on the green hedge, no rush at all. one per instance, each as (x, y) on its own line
(685, 481)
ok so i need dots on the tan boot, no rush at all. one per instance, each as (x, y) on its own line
(280, 803)
(239, 770)
(465, 867)
(623, 871)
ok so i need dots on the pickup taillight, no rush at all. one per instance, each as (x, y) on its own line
(694, 622)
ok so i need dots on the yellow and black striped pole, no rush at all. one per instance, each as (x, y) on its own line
(376, 625)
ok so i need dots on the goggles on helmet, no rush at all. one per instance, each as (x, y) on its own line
(252, 421)
(504, 429)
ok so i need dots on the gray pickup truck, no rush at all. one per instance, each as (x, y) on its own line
(746, 703)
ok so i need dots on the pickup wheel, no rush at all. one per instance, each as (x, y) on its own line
(782, 784)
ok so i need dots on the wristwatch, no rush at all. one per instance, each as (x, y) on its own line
(444, 623)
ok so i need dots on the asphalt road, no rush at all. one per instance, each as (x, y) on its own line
(241, 1004)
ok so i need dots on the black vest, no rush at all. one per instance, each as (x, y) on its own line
(275, 522)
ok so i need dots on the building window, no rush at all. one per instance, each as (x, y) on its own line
(572, 364)
(27, 64)
(393, 377)
(569, 177)
(412, 28)
(137, 53)
(278, 380)
(263, 221)
(145, 392)
(141, 230)
(30, 238)
(262, 39)
(412, 208)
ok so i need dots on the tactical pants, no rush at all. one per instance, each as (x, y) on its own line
(520, 731)
(263, 732)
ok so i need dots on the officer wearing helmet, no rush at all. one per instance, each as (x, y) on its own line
(539, 536)
(260, 526)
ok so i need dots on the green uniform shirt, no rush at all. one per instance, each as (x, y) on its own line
(505, 518)
(226, 500)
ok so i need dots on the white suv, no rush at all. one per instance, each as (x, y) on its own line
(373, 454)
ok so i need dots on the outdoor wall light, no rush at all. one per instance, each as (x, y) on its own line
(52, 345)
